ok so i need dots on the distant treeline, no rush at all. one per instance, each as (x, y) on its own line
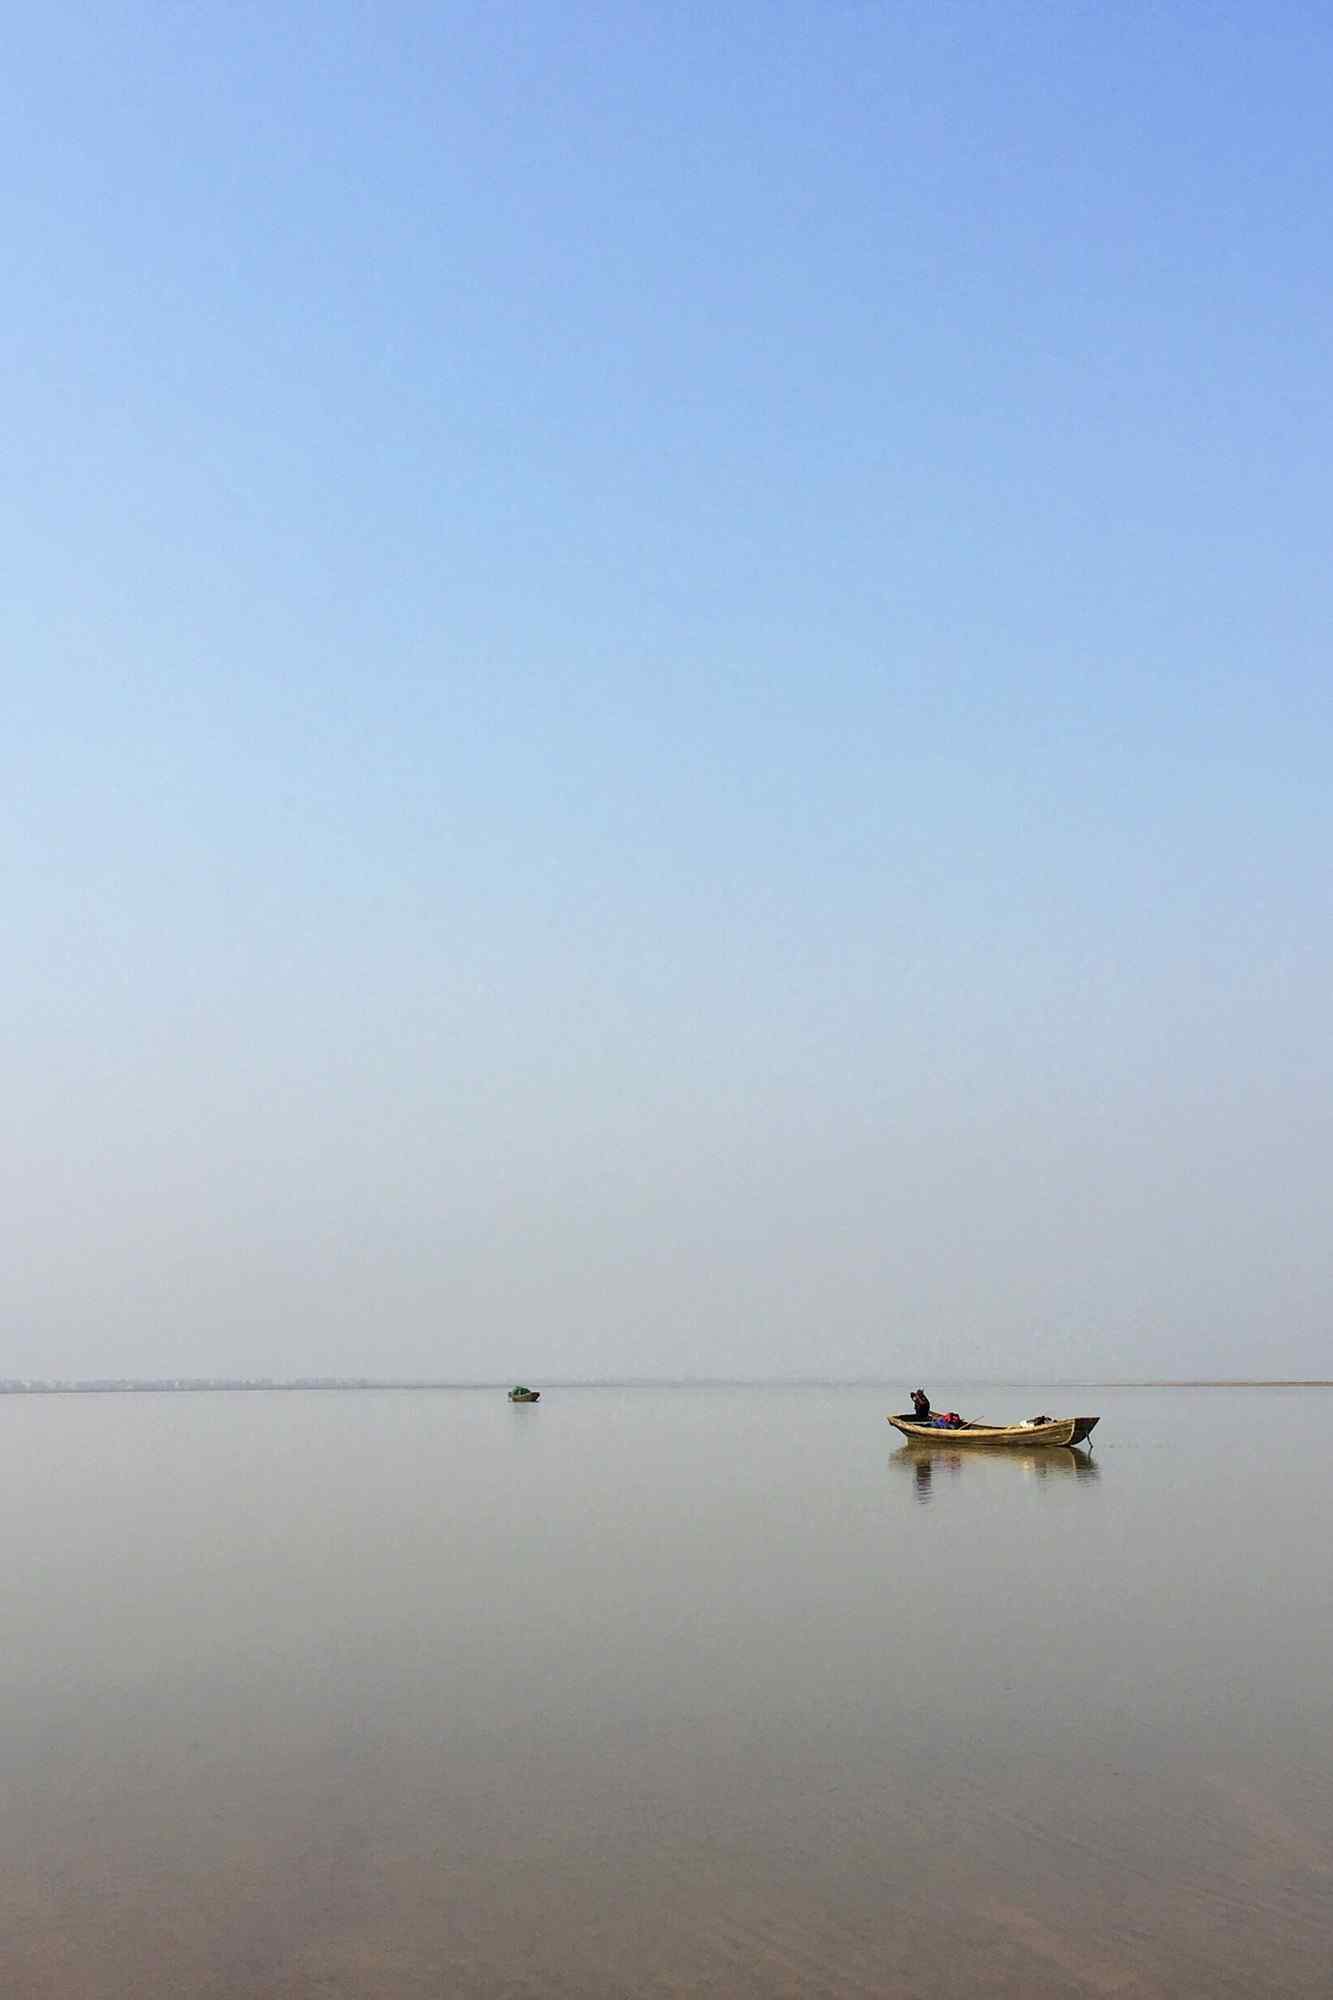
(181, 1384)
(128, 1385)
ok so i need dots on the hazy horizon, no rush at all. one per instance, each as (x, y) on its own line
(185, 1384)
(667, 693)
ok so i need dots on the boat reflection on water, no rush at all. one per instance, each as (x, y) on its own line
(928, 1463)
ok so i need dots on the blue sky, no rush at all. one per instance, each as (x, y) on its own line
(666, 688)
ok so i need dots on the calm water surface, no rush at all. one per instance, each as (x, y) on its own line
(663, 1692)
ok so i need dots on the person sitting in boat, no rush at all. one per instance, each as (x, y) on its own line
(921, 1406)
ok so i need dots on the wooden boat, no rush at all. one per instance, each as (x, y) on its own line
(1054, 1430)
(522, 1395)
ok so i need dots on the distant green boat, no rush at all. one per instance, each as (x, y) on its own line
(522, 1395)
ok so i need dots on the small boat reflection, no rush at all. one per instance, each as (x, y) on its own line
(929, 1462)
